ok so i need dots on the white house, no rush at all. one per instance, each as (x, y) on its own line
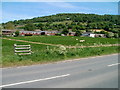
(89, 34)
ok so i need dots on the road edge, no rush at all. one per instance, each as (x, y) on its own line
(67, 60)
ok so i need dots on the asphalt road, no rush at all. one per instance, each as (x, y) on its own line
(94, 72)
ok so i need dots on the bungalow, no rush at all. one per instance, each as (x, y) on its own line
(100, 35)
(30, 33)
(52, 32)
(6, 32)
(97, 30)
(71, 34)
(89, 34)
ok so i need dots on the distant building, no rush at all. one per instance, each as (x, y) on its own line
(97, 30)
(71, 34)
(52, 32)
(100, 35)
(30, 33)
(89, 34)
(6, 32)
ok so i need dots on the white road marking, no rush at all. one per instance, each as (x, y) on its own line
(113, 64)
(34, 80)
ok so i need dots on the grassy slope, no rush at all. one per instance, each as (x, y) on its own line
(42, 54)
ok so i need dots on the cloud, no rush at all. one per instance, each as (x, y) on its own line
(60, 0)
(67, 6)
(12, 16)
(61, 4)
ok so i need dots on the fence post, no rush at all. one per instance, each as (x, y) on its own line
(14, 49)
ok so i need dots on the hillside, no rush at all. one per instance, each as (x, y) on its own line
(69, 21)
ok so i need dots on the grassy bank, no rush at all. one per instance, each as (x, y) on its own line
(45, 54)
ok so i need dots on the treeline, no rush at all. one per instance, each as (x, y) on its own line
(89, 18)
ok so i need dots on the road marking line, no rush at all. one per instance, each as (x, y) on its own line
(34, 80)
(113, 64)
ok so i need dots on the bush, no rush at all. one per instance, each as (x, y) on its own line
(109, 35)
(17, 33)
(59, 34)
(78, 33)
(65, 31)
(58, 50)
(116, 35)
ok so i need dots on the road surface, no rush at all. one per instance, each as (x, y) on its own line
(93, 72)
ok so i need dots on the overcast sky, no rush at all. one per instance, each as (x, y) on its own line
(26, 10)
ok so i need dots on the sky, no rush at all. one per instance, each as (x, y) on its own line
(26, 10)
(60, 0)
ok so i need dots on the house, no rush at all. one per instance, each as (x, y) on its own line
(30, 33)
(6, 32)
(71, 34)
(89, 34)
(100, 35)
(52, 32)
(97, 30)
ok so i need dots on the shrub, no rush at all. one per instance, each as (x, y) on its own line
(17, 33)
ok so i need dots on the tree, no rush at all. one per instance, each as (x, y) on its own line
(74, 29)
(29, 27)
(40, 26)
(109, 34)
(116, 35)
(106, 28)
(102, 32)
(69, 26)
(78, 33)
(65, 31)
(17, 33)
(9, 26)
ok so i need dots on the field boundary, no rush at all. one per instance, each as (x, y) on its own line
(107, 45)
(32, 42)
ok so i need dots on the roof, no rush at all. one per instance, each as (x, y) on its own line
(88, 33)
(7, 30)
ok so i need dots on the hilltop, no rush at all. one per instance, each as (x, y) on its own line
(69, 21)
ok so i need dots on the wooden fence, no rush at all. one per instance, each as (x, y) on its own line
(22, 49)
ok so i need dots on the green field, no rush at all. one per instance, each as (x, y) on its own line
(46, 54)
(69, 40)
